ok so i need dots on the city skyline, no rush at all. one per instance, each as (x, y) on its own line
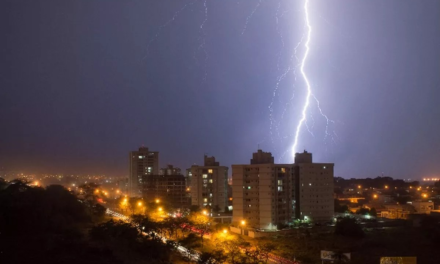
(85, 83)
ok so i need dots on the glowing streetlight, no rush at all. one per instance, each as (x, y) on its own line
(359, 186)
(375, 196)
(424, 195)
(225, 231)
(157, 201)
(204, 212)
(243, 222)
(386, 186)
(139, 204)
(160, 209)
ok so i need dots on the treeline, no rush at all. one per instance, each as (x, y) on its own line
(53, 225)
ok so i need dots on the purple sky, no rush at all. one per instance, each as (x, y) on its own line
(83, 82)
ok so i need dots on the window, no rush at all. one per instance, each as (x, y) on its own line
(283, 170)
(210, 171)
(210, 180)
(205, 200)
(204, 176)
(141, 157)
(249, 187)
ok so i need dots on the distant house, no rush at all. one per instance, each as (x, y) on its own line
(397, 211)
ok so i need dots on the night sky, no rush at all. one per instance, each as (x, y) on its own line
(83, 82)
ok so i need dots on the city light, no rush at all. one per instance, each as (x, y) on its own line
(375, 196)
(157, 201)
(160, 209)
(139, 204)
(243, 222)
(225, 231)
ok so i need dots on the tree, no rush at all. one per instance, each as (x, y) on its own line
(363, 211)
(202, 223)
(340, 258)
(264, 251)
(373, 212)
(215, 256)
(349, 227)
(232, 249)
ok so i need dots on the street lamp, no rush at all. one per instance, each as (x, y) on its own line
(139, 204)
(225, 231)
(157, 201)
(204, 212)
(160, 209)
(243, 223)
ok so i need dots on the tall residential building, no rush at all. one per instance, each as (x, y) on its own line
(262, 192)
(169, 187)
(313, 189)
(170, 170)
(142, 162)
(267, 195)
(209, 184)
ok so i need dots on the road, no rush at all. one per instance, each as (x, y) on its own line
(273, 259)
(183, 250)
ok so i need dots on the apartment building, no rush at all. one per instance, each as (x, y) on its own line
(313, 195)
(209, 185)
(262, 192)
(168, 188)
(269, 196)
(141, 162)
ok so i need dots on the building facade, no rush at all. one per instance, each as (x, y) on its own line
(141, 163)
(169, 189)
(313, 195)
(269, 196)
(209, 185)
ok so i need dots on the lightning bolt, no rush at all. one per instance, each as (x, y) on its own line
(303, 73)
(250, 16)
(171, 20)
(203, 42)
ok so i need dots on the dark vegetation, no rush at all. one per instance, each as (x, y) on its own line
(52, 225)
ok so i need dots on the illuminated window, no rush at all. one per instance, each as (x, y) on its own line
(249, 187)
(210, 180)
(283, 170)
(205, 200)
(280, 182)
(210, 171)
(141, 157)
(204, 176)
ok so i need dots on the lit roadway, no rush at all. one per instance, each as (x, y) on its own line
(272, 258)
(181, 249)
